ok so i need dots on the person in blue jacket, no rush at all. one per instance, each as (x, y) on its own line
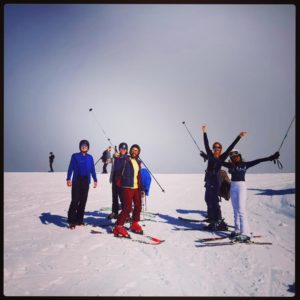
(81, 167)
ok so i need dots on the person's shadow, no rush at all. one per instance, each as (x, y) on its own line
(94, 218)
(270, 192)
(181, 224)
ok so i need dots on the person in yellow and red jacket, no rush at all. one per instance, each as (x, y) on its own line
(129, 167)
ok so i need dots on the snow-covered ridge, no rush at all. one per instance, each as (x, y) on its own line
(43, 258)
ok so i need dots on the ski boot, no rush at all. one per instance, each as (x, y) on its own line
(120, 231)
(222, 226)
(233, 234)
(112, 216)
(211, 226)
(136, 228)
(242, 238)
(72, 226)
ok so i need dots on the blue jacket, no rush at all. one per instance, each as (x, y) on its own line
(123, 166)
(145, 180)
(81, 165)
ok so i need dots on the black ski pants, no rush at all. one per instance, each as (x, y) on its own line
(116, 195)
(80, 189)
(104, 171)
(212, 201)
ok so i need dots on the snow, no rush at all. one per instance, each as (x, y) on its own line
(44, 258)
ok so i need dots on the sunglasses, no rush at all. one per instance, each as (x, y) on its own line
(217, 147)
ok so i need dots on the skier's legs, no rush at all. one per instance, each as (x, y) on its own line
(83, 195)
(208, 203)
(127, 194)
(115, 201)
(137, 205)
(72, 212)
(234, 195)
(214, 204)
(245, 228)
(105, 168)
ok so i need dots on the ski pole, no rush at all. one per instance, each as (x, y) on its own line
(101, 127)
(151, 174)
(191, 135)
(279, 164)
(286, 134)
(97, 161)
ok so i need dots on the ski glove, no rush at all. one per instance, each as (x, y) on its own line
(274, 156)
(204, 155)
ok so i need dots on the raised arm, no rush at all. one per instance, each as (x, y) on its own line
(206, 143)
(226, 153)
(252, 163)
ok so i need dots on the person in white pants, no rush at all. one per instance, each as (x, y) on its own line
(237, 167)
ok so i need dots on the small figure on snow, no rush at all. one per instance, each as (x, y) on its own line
(51, 160)
(106, 159)
(81, 167)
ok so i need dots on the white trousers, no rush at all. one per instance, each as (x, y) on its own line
(238, 194)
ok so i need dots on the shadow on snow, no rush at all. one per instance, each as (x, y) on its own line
(93, 218)
(270, 192)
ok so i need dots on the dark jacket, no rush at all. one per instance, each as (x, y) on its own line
(124, 167)
(214, 164)
(116, 169)
(238, 170)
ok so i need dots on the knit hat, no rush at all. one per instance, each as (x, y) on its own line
(84, 142)
(123, 146)
(135, 146)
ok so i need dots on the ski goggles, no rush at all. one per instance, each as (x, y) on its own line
(234, 153)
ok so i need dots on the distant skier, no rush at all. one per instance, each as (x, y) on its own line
(51, 160)
(130, 167)
(115, 179)
(106, 159)
(82, 167)
(237, 167)
(212, 180)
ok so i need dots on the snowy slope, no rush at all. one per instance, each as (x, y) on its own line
(44, 258)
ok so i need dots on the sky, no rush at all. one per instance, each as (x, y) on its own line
(144, 69)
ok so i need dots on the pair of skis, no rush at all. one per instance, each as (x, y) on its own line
(230, 243)
(139, 238)
(212, 241)
(218, 241)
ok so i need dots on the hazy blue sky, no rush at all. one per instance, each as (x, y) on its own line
(144, 69)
